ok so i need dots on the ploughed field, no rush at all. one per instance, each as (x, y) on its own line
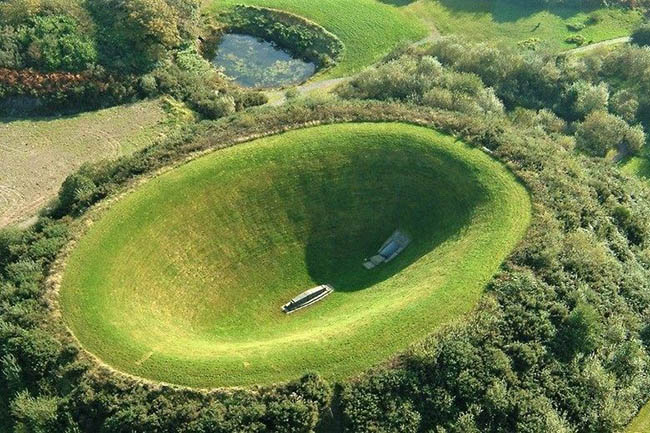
(183, 279)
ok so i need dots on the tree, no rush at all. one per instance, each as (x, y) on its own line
(34, 414)
(600, 132)
(588, 97)
(134, 34)
(54, 43)
(580, 332)
(624, 103)
(77, 191)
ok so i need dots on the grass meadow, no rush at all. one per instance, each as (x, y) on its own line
(508, 22)
(641, 423)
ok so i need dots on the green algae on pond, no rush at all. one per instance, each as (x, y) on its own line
(252, 62)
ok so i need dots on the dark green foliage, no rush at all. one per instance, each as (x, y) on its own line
(641, 36)
(55, 43)
(132, 35)
(580, 332)
(601, 132)
(34, 415)
(77, 191)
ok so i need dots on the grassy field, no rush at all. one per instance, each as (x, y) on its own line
(509, 22)
(369, 29)
(37, 155)
(637, 166)
(182, 280)
(641, 423)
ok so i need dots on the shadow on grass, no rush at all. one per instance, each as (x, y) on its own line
(42, 113)
(504, 11)
(398, 3)
(392, 193)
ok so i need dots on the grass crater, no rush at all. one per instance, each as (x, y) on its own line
(183, 280)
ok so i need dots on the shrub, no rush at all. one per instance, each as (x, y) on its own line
(35, 415)
(77, 191)
(55, 43)
(641, 36)
(530, 43)
(579, 40)
(587, 97)
(426, 82)
(138, 33)
(292, 93)
(599, 133)
(625, 104)
(576, 26)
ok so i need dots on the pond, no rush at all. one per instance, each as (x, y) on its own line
(252, 62)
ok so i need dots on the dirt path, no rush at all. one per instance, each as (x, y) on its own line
(594, 46)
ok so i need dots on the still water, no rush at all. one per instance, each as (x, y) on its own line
(252, 62)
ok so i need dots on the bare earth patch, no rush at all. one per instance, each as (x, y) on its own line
(37, 155)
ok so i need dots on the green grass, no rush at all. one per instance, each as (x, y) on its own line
(641, 423)
(369, 29)
(636, 166)
(182, 280)
(508, 22)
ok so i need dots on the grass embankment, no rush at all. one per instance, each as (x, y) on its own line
(637, 166)
(183, 279)
(36, 155)
(509, 22)
(369, 29)
(641, 423)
